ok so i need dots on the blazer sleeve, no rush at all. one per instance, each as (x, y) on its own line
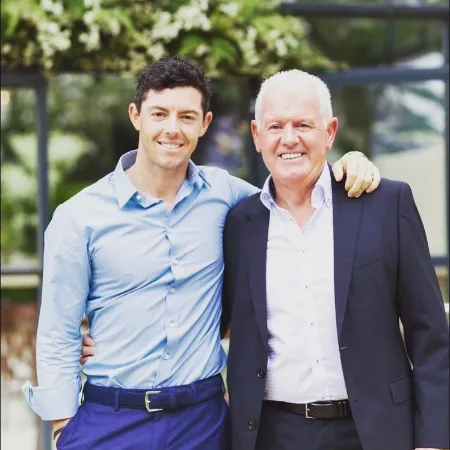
(229, 254)
(425, 327)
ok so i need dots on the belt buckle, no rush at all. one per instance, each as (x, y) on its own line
(307, 412)
(147, 401)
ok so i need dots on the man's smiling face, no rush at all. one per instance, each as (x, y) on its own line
(292, 133)
(170, 123)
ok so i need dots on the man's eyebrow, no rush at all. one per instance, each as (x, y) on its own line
(186, 111)
(190, 111)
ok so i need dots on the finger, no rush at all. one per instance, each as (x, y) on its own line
(87, 351)
(84, 359)
(338, 169)
(376, 181)
(367, 177)
(352, 171)
(87, 341)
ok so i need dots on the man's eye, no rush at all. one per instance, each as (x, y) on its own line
(157, 114)
(274, 127)
(187, 117)
(304, 126)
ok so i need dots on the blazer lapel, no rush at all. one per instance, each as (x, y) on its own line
(346, 220)
(256, 253)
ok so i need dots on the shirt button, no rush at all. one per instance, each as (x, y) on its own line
(173, 290)
(172, 324)
(252, 425)
(260, 373)
(166, 356)
(138, 197)
(175, 261)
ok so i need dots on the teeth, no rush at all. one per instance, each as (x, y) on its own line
(170, 146)
(291, 155)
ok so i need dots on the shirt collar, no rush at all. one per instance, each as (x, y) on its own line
(321, 193)
(125, 189)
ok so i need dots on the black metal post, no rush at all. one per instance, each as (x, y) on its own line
(367, 10)
(45, 428)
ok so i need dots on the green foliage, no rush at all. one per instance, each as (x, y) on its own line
(240, 37)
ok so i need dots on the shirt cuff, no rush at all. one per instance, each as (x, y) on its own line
(54, 402)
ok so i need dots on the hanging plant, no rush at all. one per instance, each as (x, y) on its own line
(241, 37)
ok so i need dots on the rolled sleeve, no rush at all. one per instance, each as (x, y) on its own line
(53, 402)
(65, 288)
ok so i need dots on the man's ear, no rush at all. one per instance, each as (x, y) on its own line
(206, 122)
(332, 128)
(133, 114)
(254, 128)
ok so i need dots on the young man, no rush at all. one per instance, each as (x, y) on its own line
(140, 252)
(315, 285)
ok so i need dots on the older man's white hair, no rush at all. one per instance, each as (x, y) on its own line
(302, 80)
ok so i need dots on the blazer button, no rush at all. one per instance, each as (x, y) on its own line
(252, 424)
(260, 373)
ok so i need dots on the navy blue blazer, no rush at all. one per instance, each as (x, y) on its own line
(398, 388)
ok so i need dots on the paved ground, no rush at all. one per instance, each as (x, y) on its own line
(18, 423)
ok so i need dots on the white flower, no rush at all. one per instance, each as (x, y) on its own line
(281, 47)
(201, 50)
(291, 41)
(114, 26)
(88, 17)
(274, 34)
(48, 27)
(91, 39)
(94, 4)
(252, 33)
(157, 51)
(230, 9)
(203, 5)
(61, 41)
(164, 29)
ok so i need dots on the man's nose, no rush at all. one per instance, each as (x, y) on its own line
(171, 125)
(288, 137)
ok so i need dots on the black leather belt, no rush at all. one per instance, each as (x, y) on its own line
(338, 409)
(154, 399)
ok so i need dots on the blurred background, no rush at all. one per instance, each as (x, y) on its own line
(68, 69)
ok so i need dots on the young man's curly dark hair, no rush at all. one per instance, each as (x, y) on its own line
(169, 73)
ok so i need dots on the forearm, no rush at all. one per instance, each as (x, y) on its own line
(65, 290)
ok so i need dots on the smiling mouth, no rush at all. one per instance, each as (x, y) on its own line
(170, 145)
(289, 156)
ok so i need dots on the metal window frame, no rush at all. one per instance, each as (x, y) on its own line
(384, 11)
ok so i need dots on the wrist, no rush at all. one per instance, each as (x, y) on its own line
(57, 433)
(60, 423)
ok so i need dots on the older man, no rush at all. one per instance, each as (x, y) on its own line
(317, 359)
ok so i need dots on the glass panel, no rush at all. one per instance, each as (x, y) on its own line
(19, 224)
(89, 130)
(402, 128)
(19, 219)
(226, 142)
(442, 274)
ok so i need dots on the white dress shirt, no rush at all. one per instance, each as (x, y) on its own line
(304, 363)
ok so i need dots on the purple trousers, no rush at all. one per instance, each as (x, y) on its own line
(202, 426)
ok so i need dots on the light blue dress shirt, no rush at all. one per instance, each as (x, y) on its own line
(149, 281)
